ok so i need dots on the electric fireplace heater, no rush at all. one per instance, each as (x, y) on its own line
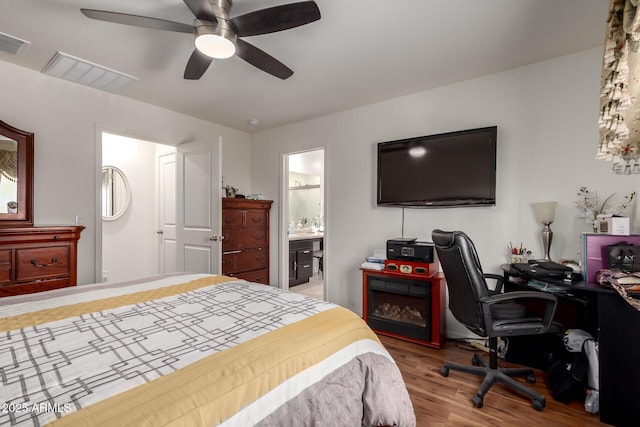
(399, 306)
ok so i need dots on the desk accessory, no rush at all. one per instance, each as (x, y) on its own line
(545, 213)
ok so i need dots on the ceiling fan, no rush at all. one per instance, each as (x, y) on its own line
(219, 36)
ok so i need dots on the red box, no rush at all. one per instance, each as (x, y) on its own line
(410, 267)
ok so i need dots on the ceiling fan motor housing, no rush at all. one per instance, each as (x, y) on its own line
(221, 8)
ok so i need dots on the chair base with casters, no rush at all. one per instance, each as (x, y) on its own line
(492, 374)
(490, 313)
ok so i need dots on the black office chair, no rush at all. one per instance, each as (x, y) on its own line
(489, 314)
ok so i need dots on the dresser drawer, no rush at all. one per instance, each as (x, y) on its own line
(5, 256)
(256, 219)
(5, 274)
(5, 266)
(257, 276)
(244, 239)
(32, 287)
(232, 220)
(42, 263)
(244, 260)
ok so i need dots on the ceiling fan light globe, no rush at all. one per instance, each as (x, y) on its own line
(215, 46)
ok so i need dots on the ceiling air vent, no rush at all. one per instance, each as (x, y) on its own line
(86, 73)
(11, 44)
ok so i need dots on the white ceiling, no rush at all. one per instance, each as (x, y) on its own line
(359, 52)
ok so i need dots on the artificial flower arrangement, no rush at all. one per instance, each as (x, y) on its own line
(588, 203)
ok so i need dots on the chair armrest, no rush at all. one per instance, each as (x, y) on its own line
(499, 281)
(550, 306)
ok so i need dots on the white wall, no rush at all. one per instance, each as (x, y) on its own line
(67, 118)
(546, 115)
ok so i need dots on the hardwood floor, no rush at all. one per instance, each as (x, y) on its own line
(440, 401)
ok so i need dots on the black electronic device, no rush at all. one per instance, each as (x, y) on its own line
(444, 170)
(410, 250)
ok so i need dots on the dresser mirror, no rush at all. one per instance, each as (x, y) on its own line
(116, 193)
(16, 177)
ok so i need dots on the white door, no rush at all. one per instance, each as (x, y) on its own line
(198, 185)
(167, 174)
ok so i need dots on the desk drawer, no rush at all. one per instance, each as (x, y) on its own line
(42, 263)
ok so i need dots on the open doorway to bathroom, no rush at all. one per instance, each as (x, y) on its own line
(305, 231)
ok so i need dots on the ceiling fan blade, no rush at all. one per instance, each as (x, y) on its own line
(201, 9)
(262, 60)
(276, 18)
(197, 65)
(137, 21)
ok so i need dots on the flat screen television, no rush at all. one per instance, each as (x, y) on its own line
(445, 170)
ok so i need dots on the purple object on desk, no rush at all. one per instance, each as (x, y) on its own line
(594, 252)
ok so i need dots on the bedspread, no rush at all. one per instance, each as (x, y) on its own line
(192, 350)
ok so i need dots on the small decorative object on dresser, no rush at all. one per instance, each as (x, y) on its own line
(245, 244)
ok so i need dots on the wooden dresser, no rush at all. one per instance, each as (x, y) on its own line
(35, 259)
(245, 244)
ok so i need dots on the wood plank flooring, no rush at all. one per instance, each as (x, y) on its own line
(440, 401)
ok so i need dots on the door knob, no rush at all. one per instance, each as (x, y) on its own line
(216, 238)
(160, 232)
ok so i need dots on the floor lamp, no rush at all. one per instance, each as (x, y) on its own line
(545, 214)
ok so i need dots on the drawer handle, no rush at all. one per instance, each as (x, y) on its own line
(53, 261)
(256, 219)
(56, 237)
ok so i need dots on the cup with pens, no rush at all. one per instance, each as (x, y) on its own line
(519, 254)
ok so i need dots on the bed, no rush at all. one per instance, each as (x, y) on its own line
(192, 350)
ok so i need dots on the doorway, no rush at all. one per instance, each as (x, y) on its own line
(131, 235)
(172, 213)
(303, 237)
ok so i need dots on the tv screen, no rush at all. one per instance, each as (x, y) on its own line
(444, 170)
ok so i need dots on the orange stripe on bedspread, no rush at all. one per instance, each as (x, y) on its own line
(64, 312)
(211, 390)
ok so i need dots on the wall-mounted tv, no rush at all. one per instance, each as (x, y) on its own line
(444, 170)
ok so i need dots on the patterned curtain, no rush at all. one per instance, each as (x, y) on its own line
(9, 165)
(619, 111)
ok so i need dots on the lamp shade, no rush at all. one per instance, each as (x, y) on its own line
(545, 211)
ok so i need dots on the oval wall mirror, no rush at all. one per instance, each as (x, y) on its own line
(116, 193)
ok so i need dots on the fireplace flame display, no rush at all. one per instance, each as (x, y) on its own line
(395, 312)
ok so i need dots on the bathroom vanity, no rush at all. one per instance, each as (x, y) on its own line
(301, 248)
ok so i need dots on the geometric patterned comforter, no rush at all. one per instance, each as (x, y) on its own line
(192, 350)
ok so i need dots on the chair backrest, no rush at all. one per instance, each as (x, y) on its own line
(464, 276)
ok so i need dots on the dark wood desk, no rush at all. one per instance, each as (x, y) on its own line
(616, 325)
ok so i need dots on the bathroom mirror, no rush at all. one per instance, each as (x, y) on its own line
(116, 193)
(16, 177)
